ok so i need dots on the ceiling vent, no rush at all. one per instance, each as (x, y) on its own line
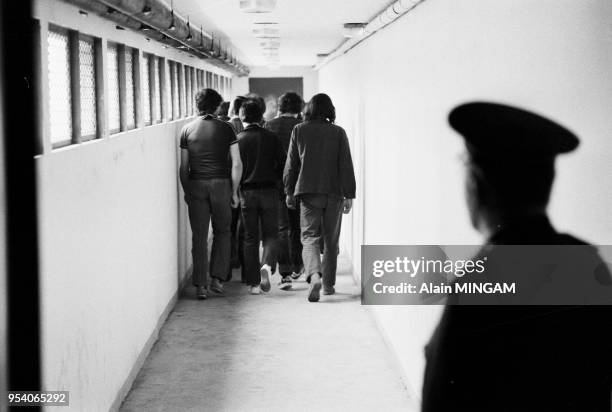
(257, 6)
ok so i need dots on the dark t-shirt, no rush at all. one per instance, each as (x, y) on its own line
(208, 141)
(263, 158)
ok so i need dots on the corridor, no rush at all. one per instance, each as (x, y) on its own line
(270, 353)
(412, 138)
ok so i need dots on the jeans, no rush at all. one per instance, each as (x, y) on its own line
(210, 200)
(259, 206)
(289, 242)
(320, 218)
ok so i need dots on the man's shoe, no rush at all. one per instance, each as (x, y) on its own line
(328, 290)
(265, 273)
(285, 283)
(254, 290)
(216, 286)
(201, 292)
(315, 288)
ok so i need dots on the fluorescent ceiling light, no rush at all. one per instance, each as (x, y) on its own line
(257, 6)
(354, 29)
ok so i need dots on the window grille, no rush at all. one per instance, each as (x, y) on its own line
(146, 90)
(181, 89)
(129, 89)
(60, 109)
(188, 90)
(167, 85)
(87, 81)
(175, 95)
(113, 107)
(157, 86)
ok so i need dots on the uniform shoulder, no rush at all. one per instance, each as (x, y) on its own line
(567, 239)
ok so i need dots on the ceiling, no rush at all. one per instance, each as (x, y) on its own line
(307, 27)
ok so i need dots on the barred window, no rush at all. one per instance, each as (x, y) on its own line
(175, 95)
(188, 90)
(194, 88)
(60, 109)
(87, 82)
(146, 89)
(167, 85)
(223, 87)
(130, 95)
(181, 89)
(113, 107)
(157, 87)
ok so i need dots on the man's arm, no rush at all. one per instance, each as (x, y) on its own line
(184, 171)
(347, 173)
(236, 172)
(292, 168)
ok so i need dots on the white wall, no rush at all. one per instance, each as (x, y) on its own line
(241, 84)
(114, 239)
(393, 93)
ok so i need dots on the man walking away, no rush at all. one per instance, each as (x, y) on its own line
(208, 160)
(263, 158)
(290, 263)
(234, 111)
(319, 173)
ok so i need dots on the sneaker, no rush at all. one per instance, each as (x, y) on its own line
(254, 290)
(216, 286)
(265, 278)
(328, 290)
(315, 288)
(201, 292)
(285, 283)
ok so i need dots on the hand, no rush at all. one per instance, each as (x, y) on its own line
(235, 200)
(290, 202)
(347, 204)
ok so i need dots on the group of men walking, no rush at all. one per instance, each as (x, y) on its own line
(291, 180)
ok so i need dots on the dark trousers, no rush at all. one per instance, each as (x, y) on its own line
(289, 242)
(320, 218)
(259, 207)
(236, 255)
(209, 200)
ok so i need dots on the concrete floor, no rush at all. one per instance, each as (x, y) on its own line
(274, 352)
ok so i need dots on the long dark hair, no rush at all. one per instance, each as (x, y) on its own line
(320, 107)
